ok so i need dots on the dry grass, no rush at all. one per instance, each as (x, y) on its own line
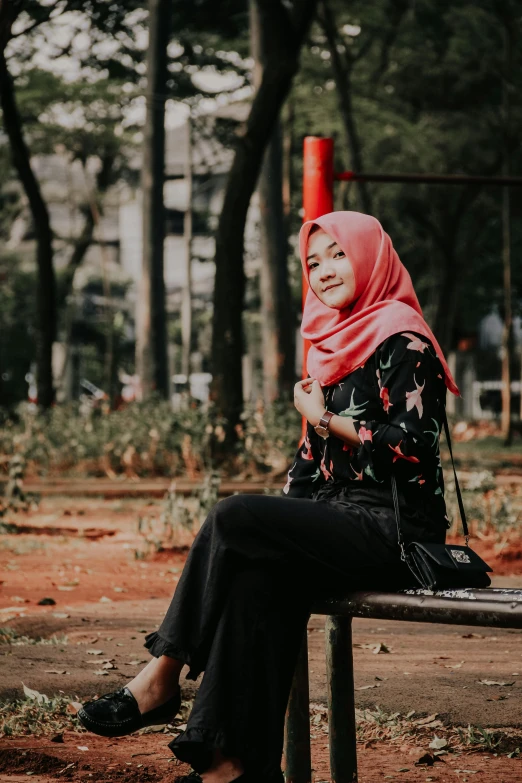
(40, 715)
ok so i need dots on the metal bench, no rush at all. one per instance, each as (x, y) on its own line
(494, 607)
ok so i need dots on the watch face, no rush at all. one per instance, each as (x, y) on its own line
(322, 431)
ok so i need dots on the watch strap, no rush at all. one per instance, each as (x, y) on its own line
(325, 419)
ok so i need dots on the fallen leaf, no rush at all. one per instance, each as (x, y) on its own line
(403, 769)
(65, 588)
(101, 673)
(41, 698)
(380, 648)
(134, 663)
(438, 743)
(367, 687)
(94, 652)
(55, 671)
(453, 665)
(494, 682)
(61, 615)
(105, 600)
(82, 747)
(73, 707)
(108, 665)
(154, 729)
(422, 721)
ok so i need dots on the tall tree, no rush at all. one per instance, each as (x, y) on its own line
(277, 321)
(151, 343)
(285, 29)
(35, 15)
(46, 282)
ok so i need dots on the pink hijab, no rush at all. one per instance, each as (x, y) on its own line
(385, 302)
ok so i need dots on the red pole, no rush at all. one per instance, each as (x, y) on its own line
(318, 178)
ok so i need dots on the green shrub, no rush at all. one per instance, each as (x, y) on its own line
(145, 439)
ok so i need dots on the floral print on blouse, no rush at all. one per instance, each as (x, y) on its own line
(395, 401)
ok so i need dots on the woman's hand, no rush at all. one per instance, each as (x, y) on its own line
(309, 400)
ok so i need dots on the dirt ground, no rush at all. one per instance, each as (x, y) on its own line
(81, 554)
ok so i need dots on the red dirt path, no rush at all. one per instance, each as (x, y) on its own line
(84, 559)
(146, 759)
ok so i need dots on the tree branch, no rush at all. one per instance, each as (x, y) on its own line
(9, 12)
(342, 76)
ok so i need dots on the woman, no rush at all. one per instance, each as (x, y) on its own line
(373, 404)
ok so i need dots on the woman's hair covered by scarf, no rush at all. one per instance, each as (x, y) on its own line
(384, 303)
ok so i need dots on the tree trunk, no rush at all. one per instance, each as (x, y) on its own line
(186, 301)
(276, 303)
(151, 343)
(46, 288)
(342, 76)
(507, 331)
(288, 151)
(284, 36)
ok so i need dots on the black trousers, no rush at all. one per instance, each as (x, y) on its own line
(240, 610)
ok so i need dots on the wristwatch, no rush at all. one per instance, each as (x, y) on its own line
(322, 427)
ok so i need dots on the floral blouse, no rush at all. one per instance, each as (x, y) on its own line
(395, 401)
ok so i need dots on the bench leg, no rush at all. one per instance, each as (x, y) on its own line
(298, 765)
(341, 702)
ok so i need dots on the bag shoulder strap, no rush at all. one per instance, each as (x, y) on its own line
(457, 488)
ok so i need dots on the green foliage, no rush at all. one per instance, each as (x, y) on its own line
(488, 506)
(476, 736)
(146, 439)
(268, 437)
(12, 637)
(32, 717)
(426, 88)
(180, 518)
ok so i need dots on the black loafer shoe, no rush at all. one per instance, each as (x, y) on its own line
(117, 714)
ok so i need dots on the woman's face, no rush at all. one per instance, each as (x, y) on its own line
(330, 272)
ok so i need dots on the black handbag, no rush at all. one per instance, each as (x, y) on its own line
(442, 566)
